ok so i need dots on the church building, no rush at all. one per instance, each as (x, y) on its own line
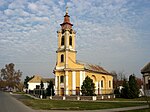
(70, 73)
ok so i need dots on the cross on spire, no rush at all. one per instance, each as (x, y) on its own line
(66, 10)
(66, 24)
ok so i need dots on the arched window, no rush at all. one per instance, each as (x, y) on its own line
(62, 58)
(109, 83)
(70, 41)
(148, 85)
(93, 78)
(61, 79)
(102, 84)
(62, 40)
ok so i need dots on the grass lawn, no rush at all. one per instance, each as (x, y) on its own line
(135, 99)
(73, 105)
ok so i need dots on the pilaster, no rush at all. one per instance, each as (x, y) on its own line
(74, 83)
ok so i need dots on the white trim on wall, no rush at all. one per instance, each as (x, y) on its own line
(73, 83)
(81, 77)
(66, 82)
(100, 88)
(59, 68)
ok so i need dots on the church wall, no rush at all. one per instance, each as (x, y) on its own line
(59, 63)
(59, 34)
(77, 79)
(72, 61)
(70, 82)
(98, 79)
(58, 83)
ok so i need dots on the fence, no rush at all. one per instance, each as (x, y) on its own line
(147, 92)
(63, 92)
(83, 98)
(40, 93)
(74, 94)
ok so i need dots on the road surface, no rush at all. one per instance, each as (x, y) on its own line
(10, 104)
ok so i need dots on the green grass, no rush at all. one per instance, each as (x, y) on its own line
(74, 105)
(135, 99)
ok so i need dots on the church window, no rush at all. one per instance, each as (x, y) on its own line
(62, 40)
(102, 83)
(70, 41)
(61, 79)
(62, 58)
(109, 83)
(148, 84)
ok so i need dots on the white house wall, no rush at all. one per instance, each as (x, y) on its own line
(32, 86)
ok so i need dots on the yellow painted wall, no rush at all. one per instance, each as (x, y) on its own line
(78, 79)
(70, 61)
(70, 80)
(105, 77)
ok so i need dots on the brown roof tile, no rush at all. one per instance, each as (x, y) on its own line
(94, 68)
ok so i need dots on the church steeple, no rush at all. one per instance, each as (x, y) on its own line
(66, 24)
(66, 52)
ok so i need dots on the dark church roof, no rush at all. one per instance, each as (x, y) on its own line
(94, 68)
(66, 24)
(146, 68)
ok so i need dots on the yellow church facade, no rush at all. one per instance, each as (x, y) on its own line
(70, 73)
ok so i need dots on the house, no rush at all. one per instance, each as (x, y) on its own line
(146, 77)
(35, 82)
(70, 73)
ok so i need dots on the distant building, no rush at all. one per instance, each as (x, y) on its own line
(35, 82)
(146, 77)
(69, 73)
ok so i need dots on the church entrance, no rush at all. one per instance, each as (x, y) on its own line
(77, 91)
(62, 91)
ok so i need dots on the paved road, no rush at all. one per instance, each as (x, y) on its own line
(10, 104)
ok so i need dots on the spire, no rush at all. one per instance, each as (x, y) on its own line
(66, 24)
(66, 10)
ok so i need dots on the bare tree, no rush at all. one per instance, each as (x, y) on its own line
(10, 77)
(118, 78)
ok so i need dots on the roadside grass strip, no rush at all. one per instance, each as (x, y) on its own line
(45, 104)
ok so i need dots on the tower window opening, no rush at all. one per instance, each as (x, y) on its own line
(70, 41)
(71, 31)
(62, 40)
(63, 31)
(62, 58)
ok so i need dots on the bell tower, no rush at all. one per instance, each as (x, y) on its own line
(66, 43)
(66, 56)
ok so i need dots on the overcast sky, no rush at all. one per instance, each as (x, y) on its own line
(114, 34)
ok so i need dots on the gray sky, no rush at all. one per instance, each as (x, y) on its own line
(112, 33)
